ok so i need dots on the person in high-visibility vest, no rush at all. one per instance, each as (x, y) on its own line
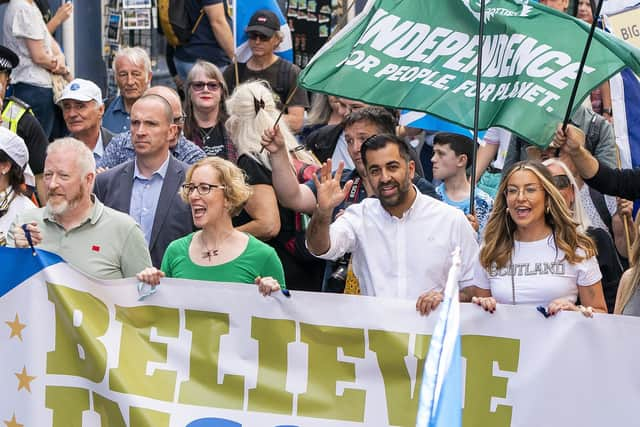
(19, 119)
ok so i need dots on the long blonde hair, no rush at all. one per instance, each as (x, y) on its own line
(500, 229)
(252, 110)
(579, 214)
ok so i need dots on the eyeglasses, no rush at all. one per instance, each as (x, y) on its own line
(180, 119)
(529, 192)
(203, 189)
(258, 36)
(199, 86)
(561, 181)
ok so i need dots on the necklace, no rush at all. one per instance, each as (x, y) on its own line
(205, 135)
(208, 253)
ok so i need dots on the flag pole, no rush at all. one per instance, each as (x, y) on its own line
(476, 112)
(587, 46)
(234, 31)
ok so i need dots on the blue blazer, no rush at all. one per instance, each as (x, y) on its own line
(173, 216)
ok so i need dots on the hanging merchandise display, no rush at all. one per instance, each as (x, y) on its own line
(312, 22)
(127, 23)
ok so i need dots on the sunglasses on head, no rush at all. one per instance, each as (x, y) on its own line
(561, 181)
(199, 86)
(258, 36)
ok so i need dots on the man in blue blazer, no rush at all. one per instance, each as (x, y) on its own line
(148, 187)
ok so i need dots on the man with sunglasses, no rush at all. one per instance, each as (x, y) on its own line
(264, 37)
(148, 187)
(121, 149)
(82, 110)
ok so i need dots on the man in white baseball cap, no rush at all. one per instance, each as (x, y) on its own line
(82, 109)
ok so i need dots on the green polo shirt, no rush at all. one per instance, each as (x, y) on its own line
(107, 245)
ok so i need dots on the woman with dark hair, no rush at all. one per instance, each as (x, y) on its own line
(13, 160)
(533, 252)
(205, 111)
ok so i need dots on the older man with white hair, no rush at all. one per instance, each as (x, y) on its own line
(99, 241)
(82, 109)
(132, 70)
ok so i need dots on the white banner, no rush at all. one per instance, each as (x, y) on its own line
(78, 352)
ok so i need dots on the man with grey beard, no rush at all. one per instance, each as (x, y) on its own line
(75, 225)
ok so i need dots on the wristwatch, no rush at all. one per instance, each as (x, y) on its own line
(608, 111)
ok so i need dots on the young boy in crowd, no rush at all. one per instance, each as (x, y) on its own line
(452, 154)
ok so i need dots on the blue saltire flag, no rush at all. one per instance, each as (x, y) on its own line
(20, 264)
(625, 100)
(625, 94)
(242, 12)
(418, 120)
(440, 401)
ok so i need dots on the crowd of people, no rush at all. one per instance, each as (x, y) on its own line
(247, 181)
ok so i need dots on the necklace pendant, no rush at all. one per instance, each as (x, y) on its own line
(209, 253)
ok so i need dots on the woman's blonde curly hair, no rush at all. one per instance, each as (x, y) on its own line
(236, 190)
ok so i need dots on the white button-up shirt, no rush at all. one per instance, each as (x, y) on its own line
(403, 257)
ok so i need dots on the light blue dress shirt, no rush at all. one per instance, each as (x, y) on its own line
(98, 150)
(145, 194)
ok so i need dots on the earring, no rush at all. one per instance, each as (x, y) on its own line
(506, 210)
(548, 209)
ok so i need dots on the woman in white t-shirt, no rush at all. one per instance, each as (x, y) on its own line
(25, 32)
(533, 252)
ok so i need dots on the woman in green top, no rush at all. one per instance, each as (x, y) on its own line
(216, 190)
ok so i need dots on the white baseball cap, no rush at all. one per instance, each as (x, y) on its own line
(16, 149)
(81, 90)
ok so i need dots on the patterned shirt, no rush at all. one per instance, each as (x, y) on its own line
(484, 205)
(120, 150)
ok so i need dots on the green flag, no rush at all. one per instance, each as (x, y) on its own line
(422, 55)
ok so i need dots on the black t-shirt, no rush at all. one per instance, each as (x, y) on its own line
(203, 44)
(211, 140)
(302, 272)
(282, 78)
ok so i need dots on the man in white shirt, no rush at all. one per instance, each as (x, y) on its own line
(401, 241)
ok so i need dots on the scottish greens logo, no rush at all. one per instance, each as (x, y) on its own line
(506, 8)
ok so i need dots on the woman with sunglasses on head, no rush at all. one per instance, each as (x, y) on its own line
(533, 252)
(607, 257)
(216, 190)
(252, 111)
(205, 111)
